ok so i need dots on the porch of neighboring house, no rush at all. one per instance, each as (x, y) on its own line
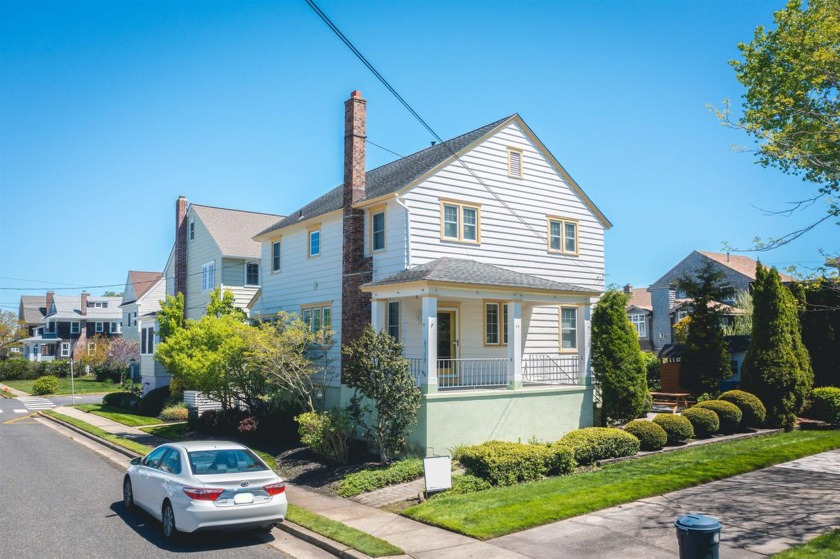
(38, 348)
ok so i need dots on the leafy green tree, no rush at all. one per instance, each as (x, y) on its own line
(742, 326)
(705, 360)
(617, 363)
(819, 304)
(777, 367)
(170, 317)
(386, 400)
(224, 304)
(792, 103)
(12, 329)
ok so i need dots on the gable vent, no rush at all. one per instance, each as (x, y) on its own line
(515, 163)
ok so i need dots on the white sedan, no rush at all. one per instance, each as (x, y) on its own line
(205, 485)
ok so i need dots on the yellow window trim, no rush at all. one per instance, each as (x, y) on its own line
(521, 152)
(563, 221)
(484, 303)
(461, 205)
(560, 328)
(371, 212)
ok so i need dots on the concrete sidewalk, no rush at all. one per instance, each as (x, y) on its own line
(13, 391)
(110, 426)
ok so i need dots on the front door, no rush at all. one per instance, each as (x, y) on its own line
(447, 341)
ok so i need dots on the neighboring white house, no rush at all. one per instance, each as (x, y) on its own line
(481, 254)
(142, 296)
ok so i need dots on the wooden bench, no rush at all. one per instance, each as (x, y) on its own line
(671, 399)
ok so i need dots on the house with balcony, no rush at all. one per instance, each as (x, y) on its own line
(70, 323)
(480, 254)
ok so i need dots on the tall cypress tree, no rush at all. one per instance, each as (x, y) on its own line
(617, 363)
(777, 367)
(705, 360)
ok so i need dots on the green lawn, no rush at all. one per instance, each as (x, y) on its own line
(83, 385)
(358, 540)
(171, 431)
(119, 415)
(826, 546)
(503, 510)
(125, 443)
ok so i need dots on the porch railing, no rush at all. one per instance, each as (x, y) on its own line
(464, 373)
(551, 369)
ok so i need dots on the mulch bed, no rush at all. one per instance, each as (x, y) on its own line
(301, 466)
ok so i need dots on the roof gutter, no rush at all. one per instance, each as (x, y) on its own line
(407, 230)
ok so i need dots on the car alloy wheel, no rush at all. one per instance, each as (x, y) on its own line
(169, 530)
(128, 494)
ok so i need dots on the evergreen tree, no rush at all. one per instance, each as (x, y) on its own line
(705, 360)
(777, 367)
(617, 363)
(819, 301)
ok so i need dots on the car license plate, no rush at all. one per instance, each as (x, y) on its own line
(243, 498)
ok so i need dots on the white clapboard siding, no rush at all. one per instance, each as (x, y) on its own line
(200, 403)
(200, 250)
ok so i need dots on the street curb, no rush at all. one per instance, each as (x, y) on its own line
(328, 545)
(103, 442)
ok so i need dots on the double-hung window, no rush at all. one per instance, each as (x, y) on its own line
(568, 328)
(275, 256)
(116, 327)
(208, 276)
(563, 235)
(75, 328)
(100, 327)
(495, 323)
(318, 316)
(314, 242)
(147, 341)
(394, 319)
(65, 349)
(377, 230)
(192, 229)
(640, 322)
(460, 222)
(252, 273)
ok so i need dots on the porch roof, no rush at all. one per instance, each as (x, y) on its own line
(41, 340)
(471, 273)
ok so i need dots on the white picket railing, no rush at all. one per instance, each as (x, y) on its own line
(551, 369)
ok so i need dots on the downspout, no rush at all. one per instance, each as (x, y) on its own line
(407, 231)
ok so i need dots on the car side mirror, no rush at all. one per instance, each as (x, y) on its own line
(136, 461)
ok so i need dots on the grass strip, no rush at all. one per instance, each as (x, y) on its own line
(119, 415)
(96, 431)
(504, 510)
(337, 531)
(80, 385)
(5, 394)
(826, 546)
(173, 431)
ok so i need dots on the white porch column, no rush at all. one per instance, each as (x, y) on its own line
(584, 340)
(514, 373)
(429, 317)
(377, 314)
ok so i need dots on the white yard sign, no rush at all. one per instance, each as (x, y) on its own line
(438, 473)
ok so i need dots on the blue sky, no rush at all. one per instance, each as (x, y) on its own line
(109, 110)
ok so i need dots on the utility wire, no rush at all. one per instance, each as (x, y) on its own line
(419, 119)
(384, 148)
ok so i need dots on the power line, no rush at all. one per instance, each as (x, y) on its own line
(384, 148)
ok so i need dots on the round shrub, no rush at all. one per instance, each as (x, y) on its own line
(506, 463)
(125, 400)
(754, 412)
(562, 459)
(727, 412)
(598, 443)
(825, 404)
(152, 402)
(45, 385)
(678, 428)
(705, 421)
(650, 435)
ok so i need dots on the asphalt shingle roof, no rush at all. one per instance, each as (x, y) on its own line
(741, 264)
(388, 178)
(142, 282)
(458, 270)
(34, 308)
(233, 230)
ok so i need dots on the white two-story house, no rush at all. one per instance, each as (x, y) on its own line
(481, 254)
(141, 300)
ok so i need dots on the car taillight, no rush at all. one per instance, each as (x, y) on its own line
(202, 494)
(275, 488)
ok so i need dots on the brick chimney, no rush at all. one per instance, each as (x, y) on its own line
(357, 269)
(181, 248)
(628, 289)
(83, 303)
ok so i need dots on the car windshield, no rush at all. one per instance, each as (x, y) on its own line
(227, 461)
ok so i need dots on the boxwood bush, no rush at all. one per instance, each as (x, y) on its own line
(728, 413)
(678, 428)
(562, 459)
(651, 436)
(505, 463)
(376, 478)
(45, 385)
(754, 412)
(598, 443)
(705, 421)
(466, 484)
(825, 404)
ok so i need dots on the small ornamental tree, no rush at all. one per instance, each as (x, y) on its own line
(705, 360)
(170, 317)
(386, 399)
(224, 304)
(617, 363)
(11, 330)
(777, 368)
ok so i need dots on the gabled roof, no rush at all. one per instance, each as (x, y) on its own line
(393, 177)
(32, 308)
(68, 307)
(470, 272)
(141, 282)
(741, 264)
(640, 299)
(233, 230)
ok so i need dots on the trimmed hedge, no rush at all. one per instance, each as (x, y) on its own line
(562, 460)
(369, 480)
(678, 428)
(152, 403)
(18, 369)
(754, 412)
(505, 463)
(45, 385)
(466, 484)
(728, 413)
(705, 421)
(598, 443)
(651, 436)
(125, 400)
(825, 404)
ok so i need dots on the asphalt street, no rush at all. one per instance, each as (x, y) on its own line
(60, 500)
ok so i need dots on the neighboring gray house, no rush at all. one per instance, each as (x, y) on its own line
(669, 305)
(141, 300)
(32, 310)
(640, 311)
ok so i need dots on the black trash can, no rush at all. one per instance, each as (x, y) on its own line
(698, 536)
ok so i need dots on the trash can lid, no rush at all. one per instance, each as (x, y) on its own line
(697, 523)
